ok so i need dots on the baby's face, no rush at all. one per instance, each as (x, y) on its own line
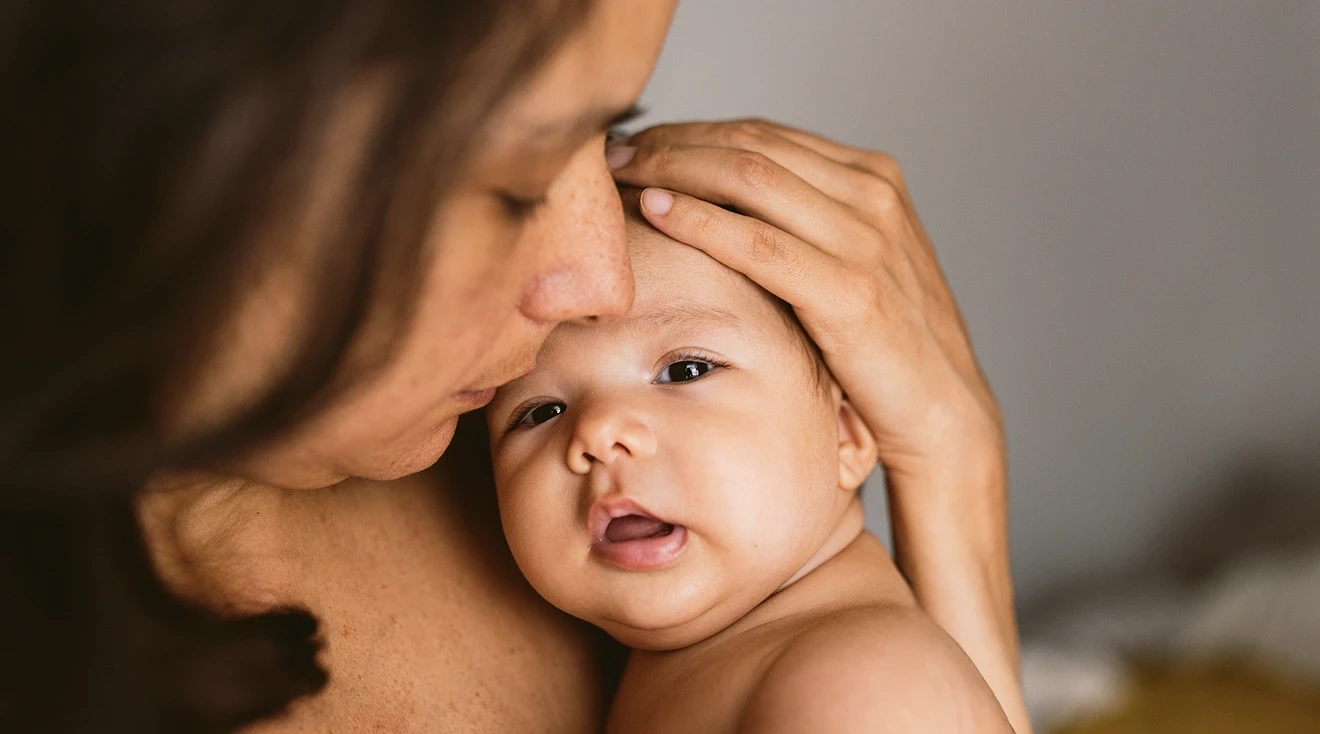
(661, 475)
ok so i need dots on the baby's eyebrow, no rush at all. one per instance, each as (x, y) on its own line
(684, 313)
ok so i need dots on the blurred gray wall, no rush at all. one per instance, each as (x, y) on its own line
(1126, 198)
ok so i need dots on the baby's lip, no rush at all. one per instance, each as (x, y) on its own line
(611, 507)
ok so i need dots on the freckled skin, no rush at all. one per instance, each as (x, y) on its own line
(428, 625)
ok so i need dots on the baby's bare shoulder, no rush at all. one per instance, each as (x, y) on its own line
(882, 668)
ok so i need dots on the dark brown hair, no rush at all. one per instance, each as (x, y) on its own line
(145, 147)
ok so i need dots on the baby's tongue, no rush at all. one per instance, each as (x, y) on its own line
(632, 527)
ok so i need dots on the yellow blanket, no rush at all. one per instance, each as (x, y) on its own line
(1210, 699)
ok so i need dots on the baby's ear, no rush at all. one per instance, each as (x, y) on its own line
(857, 451)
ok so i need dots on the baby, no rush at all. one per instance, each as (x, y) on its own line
(686, 478)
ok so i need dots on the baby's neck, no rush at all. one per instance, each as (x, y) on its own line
(851, 571)
(850, 568)
(845, 567)
(850, 525)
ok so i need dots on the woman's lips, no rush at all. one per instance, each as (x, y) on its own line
(482, 397)
(477, 398)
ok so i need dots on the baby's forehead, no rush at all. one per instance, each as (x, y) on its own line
(665, 269)
(668, 271)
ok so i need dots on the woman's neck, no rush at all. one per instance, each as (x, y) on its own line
(217, 540)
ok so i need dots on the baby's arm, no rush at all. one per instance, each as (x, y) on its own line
(873, 670)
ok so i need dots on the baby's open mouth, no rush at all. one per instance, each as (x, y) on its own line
(635, 527)
(631, 539)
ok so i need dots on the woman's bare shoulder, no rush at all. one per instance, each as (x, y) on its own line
(427, 619)
(875, 668)
(424, 618)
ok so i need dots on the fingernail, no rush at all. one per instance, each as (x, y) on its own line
(618, 156)
(657, 201)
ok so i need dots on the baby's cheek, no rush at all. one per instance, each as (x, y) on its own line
(752, 499)
(796, 496)
(517, 495)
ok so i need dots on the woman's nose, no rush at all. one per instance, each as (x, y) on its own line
(607, 433)
(583, 270)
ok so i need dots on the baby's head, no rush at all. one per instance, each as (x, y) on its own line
(661, 475)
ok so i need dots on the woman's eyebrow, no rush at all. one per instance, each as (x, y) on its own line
(623, 117)
(594, 120)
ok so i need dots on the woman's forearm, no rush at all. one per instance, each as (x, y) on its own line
(950, 541)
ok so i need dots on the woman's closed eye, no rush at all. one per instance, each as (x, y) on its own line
(520, 208)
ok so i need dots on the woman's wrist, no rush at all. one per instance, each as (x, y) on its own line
(950, 531)
(961, 487)
(950, 541)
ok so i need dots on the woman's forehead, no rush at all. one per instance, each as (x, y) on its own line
(591, 78)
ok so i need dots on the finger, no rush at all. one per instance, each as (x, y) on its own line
(869, 182)
(755, 185)
(871, 161)
(865, 197)
(882, 191)
(861, 321)
(875, 198)
(779, 262)
(883, 194)
(811, 162)
(748, 132)
(856, 188)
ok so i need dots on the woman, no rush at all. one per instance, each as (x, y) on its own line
(261, 255)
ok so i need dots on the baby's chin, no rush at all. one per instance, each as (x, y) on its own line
(648, 625)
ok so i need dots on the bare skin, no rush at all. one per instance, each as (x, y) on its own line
(849, 632)
(415, 597)
(832, 230)
(427, 625)
(747, 587)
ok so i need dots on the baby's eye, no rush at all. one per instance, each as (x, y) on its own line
(684, 370)
(540, 414)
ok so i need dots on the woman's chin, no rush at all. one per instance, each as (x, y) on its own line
(401, 457)
(420, 455)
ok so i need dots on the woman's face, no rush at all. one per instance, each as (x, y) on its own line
(499, 278)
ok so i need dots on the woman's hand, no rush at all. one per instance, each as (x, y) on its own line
(831, 230)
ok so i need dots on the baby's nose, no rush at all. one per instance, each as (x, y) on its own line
(608, 434)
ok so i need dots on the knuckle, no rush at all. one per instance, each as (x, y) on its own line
(849, 314)
(747, 134)
(885, 165)
(764, 244)
(882, 194)
(864, 295)
(660, 159)
(702, 221)
(754, 170)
